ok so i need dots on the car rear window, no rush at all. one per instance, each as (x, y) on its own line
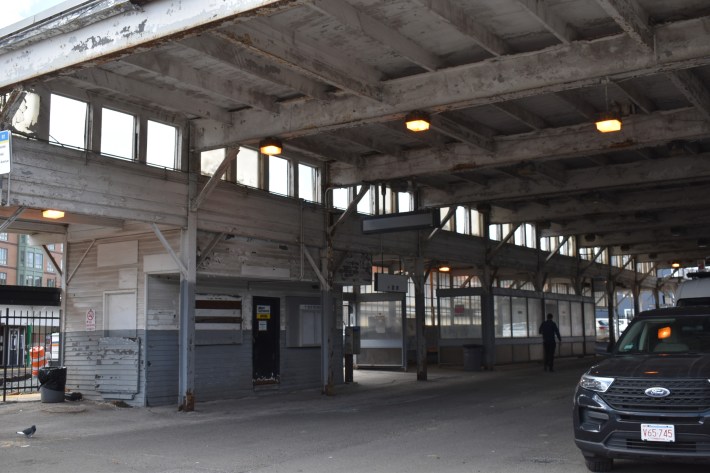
(675, 334)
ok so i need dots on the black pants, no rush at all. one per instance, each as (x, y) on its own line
(549, 349)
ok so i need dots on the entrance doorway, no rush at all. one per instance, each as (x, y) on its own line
(266, 333)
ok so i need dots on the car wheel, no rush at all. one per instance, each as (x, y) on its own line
(599, 463)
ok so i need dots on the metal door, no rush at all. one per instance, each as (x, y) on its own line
(266, 333)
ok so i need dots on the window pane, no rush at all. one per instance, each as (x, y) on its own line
(534, 316)
(67, 121)
(365, 205)
(460, 217)
(248, 167)
(210, 161)
(404, 202)
(117, 134)
(388, 201)
(475, 223)
(520, 316)
(340, 198)
(162, 145)
(443, 211)
(308, 183)
(278, 175)
(503, 324)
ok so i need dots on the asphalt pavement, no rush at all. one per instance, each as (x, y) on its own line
(516, 418)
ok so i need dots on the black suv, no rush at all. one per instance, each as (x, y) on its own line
(650, 399)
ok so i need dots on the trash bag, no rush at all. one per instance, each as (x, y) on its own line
(54, 378)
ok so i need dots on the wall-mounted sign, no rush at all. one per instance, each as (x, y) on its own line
(263, 312)
(90, 320)
(5, 151)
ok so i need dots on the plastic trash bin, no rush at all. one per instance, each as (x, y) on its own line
(53, 381)
(472, 357)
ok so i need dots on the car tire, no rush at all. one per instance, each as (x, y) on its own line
(599, 463)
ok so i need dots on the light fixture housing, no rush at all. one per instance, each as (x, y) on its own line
(417, 121)
(608, 124)
(270, 146)
(53, 214)
(675, 265)
(444, 268)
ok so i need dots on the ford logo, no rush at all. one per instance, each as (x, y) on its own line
(657, 392)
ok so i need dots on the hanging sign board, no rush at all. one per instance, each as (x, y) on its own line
(5, 151)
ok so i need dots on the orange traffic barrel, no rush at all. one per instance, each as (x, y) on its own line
(38, 360)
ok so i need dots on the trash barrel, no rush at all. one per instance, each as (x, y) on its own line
(472, 357)
(53, 381)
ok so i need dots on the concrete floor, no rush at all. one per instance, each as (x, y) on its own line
(514, 419)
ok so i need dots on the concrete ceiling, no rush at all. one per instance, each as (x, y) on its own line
(512, 86)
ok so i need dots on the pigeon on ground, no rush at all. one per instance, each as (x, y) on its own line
(28, 432)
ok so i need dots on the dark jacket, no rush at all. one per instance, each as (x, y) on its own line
(549, 329)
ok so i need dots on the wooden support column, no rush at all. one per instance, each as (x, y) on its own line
(611, 304)
(487, 302)
(188, 280)
(636, 290)
(420, 314)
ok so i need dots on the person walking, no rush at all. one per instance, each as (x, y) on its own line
(548, 330)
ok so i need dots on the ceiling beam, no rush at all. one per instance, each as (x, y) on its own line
(631, 17)
(574, 99)
(641, 237)
(304, 56)
(198, 80)
(367, 140)
(636, 96)
(433, 140)
(665, 171)
(640, 131)
(322, 151)
(462, 133)
(630, 222)
(141, 90)
(693, 89)
(688, 258)
(229, 55)
(462, 21)
(387, 35)
(617, 202)
(118, 36)
(565, 67)
(547, 18)
(518, 113)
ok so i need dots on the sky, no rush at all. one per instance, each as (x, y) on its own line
(13, 11)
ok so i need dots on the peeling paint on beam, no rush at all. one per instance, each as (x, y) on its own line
(680, 45)
(158, 21)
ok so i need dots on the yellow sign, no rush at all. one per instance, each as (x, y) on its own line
(263, 312)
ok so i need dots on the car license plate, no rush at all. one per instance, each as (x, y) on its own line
(658, 432)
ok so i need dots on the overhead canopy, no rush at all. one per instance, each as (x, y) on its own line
(512, 87)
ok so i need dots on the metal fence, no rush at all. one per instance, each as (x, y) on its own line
(29, 340)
